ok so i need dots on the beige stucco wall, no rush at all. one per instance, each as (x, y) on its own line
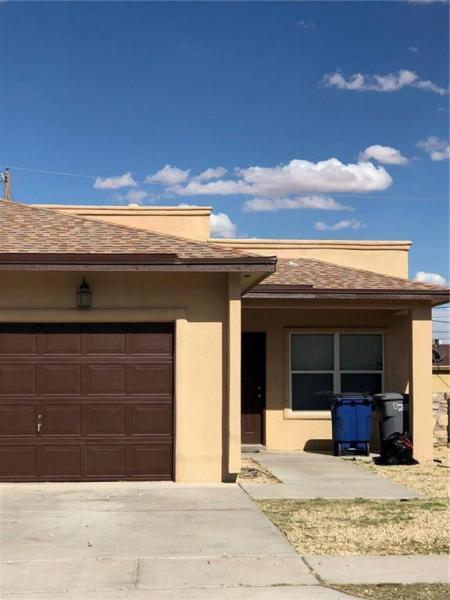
(189, 222)
(193, 222)
(389, 258)
(421, 382)
(295, 431)
(441, 381)
(198, 304)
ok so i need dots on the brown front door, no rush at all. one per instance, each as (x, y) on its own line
(253, 387)
(86, 402)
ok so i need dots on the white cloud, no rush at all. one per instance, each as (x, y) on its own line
(296, 177)
(413, 49)
(114, 183)
(306, 25)
(135, 196)
(211, 174)
(168, 175)
(302, 202)
(384, 154)
(221, 187)
(347, 224)
(433, 278)
(324, 176)
(437, 149)
(392, 82)
(222, 226)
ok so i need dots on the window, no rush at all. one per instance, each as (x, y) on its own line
(322, 364)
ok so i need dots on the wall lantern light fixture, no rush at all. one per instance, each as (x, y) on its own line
(84, 295)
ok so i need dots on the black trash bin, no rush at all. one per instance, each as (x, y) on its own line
(393, 413)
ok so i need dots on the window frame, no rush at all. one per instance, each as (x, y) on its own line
(336, 372)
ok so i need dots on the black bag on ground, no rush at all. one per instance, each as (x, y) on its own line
(397, 449)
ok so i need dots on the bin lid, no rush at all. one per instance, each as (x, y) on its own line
(352, 397)
(389, 396)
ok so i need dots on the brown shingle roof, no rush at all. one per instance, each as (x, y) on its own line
(311, 275)
(26, 229)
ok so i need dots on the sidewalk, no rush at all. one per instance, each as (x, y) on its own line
(307, 476)
(380, 569)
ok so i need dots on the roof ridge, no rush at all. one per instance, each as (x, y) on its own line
(392, 277)
(129, 228)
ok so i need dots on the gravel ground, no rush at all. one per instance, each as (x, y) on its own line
(398, 592)
(430, 478)
(362, 526)
(254, 472)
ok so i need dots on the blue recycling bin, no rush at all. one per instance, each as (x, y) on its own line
(351, 417)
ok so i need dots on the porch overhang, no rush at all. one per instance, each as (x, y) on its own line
(307, 292)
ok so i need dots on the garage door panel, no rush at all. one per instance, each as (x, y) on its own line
(142, 343)
(106, 419)
(102, 394)
(57, 343)
(61, 379)
(104, 343)
(104, 379)
(17, 343)
(150, 461)
(150, 419)
(148, 379)
(59, 461)
(18, 419)
(17, 379)
(106, 461)
(18, 462)
(60, 419)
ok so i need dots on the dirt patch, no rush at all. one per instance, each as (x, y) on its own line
(430, 478)
(252, 471)
(362, 526)
(399, 592)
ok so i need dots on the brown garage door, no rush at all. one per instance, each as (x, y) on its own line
(86, 402)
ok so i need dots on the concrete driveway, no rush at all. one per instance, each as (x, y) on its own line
(124, 540)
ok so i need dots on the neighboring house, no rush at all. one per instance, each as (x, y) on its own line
(146, 383)
(441, 367)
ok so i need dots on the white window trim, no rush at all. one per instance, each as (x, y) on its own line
(290, 413)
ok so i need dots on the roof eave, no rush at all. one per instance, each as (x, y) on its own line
(131, 262)
(308, 292)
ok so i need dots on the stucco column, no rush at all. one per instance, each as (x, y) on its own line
(421, 382)
(234, 374)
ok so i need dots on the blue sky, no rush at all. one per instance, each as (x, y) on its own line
(269, 92)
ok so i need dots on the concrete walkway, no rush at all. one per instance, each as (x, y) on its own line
(306, 476)
(380, 569)
(124, 540)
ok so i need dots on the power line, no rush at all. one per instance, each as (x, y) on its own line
(348, 195)
(45, 172)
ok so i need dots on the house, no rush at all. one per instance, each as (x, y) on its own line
(121, 331)
(441, 367)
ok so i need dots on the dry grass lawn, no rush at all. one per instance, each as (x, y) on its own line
(254, 472)
(397, 592)
(431, 478)
(362, 526)
(370, 526)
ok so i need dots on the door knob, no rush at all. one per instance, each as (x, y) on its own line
(39, 423)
